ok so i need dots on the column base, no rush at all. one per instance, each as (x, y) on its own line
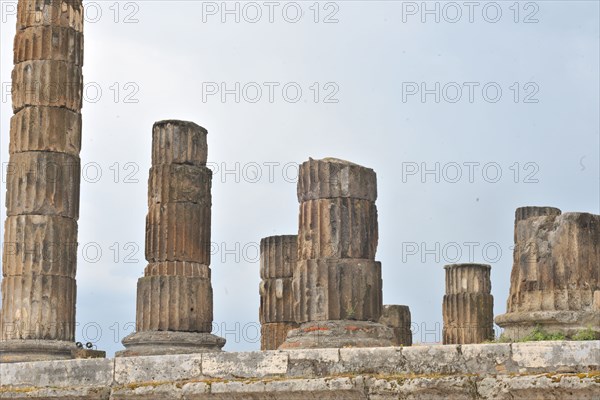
(27, 350)
(336, 334)
(152, 343)
(517, 325)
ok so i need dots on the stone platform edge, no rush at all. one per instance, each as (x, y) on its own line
(569, 368)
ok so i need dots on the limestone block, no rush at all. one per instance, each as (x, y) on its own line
(43, 183)
(47, 83)
(63, 13)
(276, 300)
(337, 228)
(32, 308)
(278, 256)
(179, 142)
(398, 318)
(179, 183)
(45, 129)
(178, 232)
(39, 244)
(348, 289)
(47, 42)
(330, 178)
(174, 303)
(273, 334)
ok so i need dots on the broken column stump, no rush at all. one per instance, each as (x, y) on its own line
(337, 286)
(398, 318)
(468, 306)
(278, 256)
(174, 312)
(555, 279)
(39, 260)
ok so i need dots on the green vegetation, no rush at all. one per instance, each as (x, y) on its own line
(586, 334)
(539, 334)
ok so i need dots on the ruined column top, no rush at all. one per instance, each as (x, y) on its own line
(179, 142)
(182, 124)
(523, 213)
(467, 265)
(331, 178)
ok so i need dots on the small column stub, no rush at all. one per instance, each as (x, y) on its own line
(337, 286)
(468, 305)
(398, 318)
(278, 256)
(174, 311)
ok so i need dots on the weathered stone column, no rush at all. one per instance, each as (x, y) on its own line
(278, 255)
(39, 261)
(337, 286)
(556, 275)
(468, 305)
(174, 297)
(398, 318)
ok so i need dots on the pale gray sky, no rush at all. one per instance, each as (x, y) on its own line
(541, 134)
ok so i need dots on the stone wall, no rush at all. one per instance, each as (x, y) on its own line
(542, 370)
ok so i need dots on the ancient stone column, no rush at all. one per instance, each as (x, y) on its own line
(555, 276)
(39, 260)
(174, 311)
(337, 286)
(468, 305)
(398, 318)
(278, 256)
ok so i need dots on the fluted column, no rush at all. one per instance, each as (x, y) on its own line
(555, 275)
(337, 286)
(37, 320)
(278, 256)
(174, 312)
(468, 305)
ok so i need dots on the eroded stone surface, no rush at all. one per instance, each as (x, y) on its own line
(273, 334)
(278, 255)
(47, 83)
(337, 228)
(179, 183)
(178, 232)
(330, 178)
(63, 13)
(45, 129)
(174, 303)
(337, 290)
(43, 183)
(49, 42)
(398, 318)
(179, 142)
(39, 244)
(555, 272)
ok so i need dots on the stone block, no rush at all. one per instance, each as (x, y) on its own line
(348, 289)
(179, 142)
(337, 228)
(39, 245)
(45, 129)
(331, 178)
(47, 83)
(43, 183)
(48, 42)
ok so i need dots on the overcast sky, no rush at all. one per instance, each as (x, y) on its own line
(516, 122)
